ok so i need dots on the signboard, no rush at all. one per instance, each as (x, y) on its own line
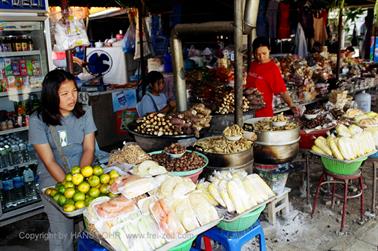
(29, 5)
(374, 49)
(124, 99)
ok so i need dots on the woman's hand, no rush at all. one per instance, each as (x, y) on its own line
(172, 103)
(295, 109)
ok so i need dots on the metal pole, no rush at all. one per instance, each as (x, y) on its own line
(179, 74)
(69, 60)
(340, 32)
(238, 40)
(141, 31)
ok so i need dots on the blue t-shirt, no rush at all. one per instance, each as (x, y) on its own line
(146, 105)
(71, 137)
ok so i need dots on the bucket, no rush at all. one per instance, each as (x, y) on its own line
(274, 175)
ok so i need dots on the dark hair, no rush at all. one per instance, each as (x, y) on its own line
(350, 48)
(154, 76)
(49, 107)
(259, 42)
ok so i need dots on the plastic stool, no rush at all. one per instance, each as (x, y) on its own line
(85, 243)
(280, 204)
(233, 241)
(344, 180)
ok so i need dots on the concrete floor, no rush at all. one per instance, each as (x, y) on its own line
(297, 231)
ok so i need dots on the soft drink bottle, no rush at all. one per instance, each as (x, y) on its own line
(19, 185)
(8, 190)
(30, 187)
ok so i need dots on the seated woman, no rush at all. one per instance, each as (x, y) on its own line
(155, 100)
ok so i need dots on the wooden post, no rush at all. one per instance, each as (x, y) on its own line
(340, 31)
(238, 40)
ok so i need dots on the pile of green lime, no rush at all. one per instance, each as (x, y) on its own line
(81, 186)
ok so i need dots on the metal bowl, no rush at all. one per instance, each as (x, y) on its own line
(276, 154)
(274, 137)
(229, 160)
(152, 143)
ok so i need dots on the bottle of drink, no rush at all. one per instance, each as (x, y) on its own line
(30, 43)
(3, 163)
(24, 43)
(24, 152)
(7, 155)
(30, 187)
(15, 154)
(8, 190)
(19, 185)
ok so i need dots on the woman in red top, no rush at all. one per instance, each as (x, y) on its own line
(266, 77)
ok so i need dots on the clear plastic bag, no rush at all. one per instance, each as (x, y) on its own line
(69, 33)
(128, 42)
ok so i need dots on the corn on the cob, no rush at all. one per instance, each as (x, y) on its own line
(335, 151)
(321, 142)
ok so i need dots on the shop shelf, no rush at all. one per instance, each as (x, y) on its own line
(18, 129)
(20, 92)
(19, 53)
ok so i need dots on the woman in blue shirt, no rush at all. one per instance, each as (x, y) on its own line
(155, 100)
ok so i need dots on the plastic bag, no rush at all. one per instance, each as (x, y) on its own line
(128, 42)
(70, 33)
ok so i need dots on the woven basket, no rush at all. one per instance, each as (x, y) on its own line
(339, 167)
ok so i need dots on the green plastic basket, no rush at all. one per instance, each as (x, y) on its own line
(185, 246)
(343, 168)
(243, 222)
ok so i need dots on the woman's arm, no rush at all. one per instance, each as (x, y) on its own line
(88, 150)
(286, 97)
(46, 155)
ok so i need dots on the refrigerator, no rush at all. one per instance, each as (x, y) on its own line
(25, 58)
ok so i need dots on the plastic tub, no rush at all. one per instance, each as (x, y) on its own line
(307, 139)
(185, 246)
(274, 175)
(338, 167)
(242, 223)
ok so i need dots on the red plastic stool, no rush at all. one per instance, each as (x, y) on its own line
(341, 179)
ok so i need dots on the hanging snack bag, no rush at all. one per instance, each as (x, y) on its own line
(15, 67)
(36, 67)
(23, 69)
(8, 67)
(29, 67)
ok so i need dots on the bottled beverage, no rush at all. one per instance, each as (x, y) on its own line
(7, 155)
(8, 190)
(30, 186)
(3, 163)
(15, 154)
(24, 43)
(24, 153)
(19, 185)
(30, 43)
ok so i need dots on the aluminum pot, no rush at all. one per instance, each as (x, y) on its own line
(275, 154)
(230, 160)
(151, 143)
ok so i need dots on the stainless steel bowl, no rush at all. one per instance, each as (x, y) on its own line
(275, 154)
(277, 137)
(230, 160)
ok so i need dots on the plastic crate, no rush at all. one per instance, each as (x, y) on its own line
(339, 167)
(243, 222)
(185, 246)
(307, 139)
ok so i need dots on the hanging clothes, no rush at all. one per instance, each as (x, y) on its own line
(320, 32)
(283, 20)
(300, 42)
(261, 24)
(271, 16)
(305, 18)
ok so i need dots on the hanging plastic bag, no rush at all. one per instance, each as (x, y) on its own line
(70, 33)
(128, 42)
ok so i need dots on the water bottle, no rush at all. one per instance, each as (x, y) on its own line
(15, 154)
(30, 187)
(7, 158)
(3, 162)
(8, 190)
(363, 101)
(24, 153)
(19, 185)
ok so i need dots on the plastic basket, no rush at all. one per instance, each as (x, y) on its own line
(243, 222)
(339, 167)
(373, 156)
(185, 246)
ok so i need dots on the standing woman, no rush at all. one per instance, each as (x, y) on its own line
(62, 134)
(265, 76)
